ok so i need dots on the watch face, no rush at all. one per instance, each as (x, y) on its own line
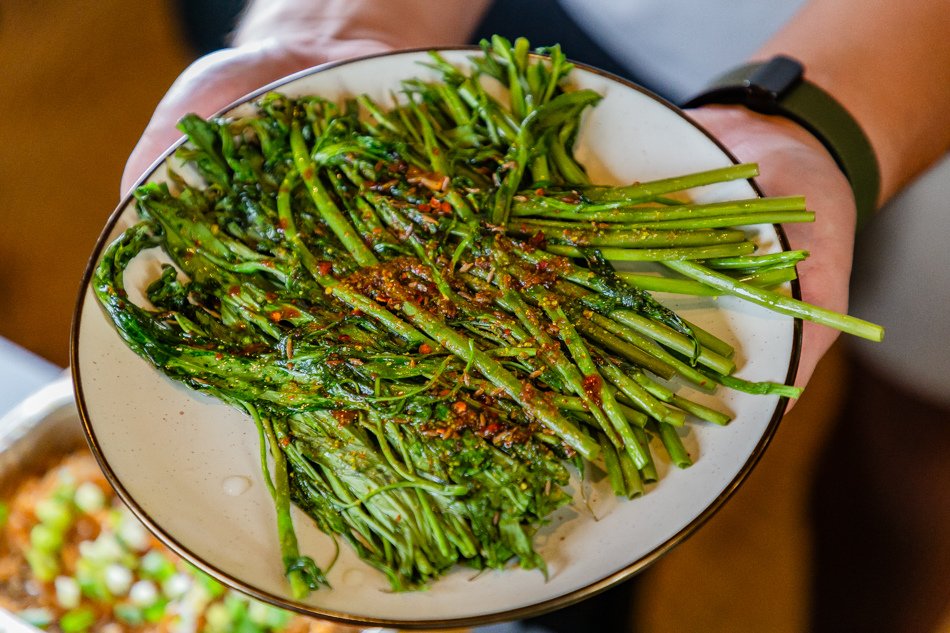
(775, 78)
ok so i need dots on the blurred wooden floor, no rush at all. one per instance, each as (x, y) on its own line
(78, 83)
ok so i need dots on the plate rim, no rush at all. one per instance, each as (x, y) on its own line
(535, 609)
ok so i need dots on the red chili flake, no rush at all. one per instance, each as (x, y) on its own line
(459, 407)
(592, 385)
(325, 267)
(423, 208)
(282, 224)
(425, 348)
(537, 240)
(285, 441)
(218, 356)
(234, 290)
(252, 349)
(493, 428)
(539, 191)
(344, 338)
(275, 315)
(271, 295)
(344, 417)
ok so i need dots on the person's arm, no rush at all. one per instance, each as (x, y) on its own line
(887, 64)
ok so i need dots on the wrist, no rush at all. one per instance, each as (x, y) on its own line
(747, 133)
(778, 87)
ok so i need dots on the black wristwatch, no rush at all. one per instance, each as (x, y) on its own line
(779, 87)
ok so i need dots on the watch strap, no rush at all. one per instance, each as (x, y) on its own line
(778, 87)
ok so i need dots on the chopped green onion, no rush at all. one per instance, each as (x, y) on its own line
(40, 617)
(156, 566)
(128, 613)
(89, 497)
(77, 620)
(54, 513)
(118, 579)
(45, 538)
(68, 593)
(143, 593)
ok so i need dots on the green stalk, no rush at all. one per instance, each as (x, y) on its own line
(656, 283)
(612, 466)
(627, 237)
(554, 357)
(640, 192)
(589, 369)
(345, 294)
(674, 445)
(660, 254)
(620, 212)
(325, 205)
(650, 346)
(615, 344)
(673, 340)
(771, 217)
(631, 476)
(664, 394)
(279, 488)
(537, 407)
(640, 396)
(754, 263)
(779, 303)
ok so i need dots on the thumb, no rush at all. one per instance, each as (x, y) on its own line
(206, 87)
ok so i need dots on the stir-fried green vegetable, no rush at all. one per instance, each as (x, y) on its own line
(415, 304)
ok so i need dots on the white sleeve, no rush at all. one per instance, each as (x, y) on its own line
(676, 47)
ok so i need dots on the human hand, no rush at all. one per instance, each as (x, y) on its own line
(219, 79)
(793, 162)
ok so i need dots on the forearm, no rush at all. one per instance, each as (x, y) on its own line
(393, 23)
(888, 64)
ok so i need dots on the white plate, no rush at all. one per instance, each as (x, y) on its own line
(170, 453)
